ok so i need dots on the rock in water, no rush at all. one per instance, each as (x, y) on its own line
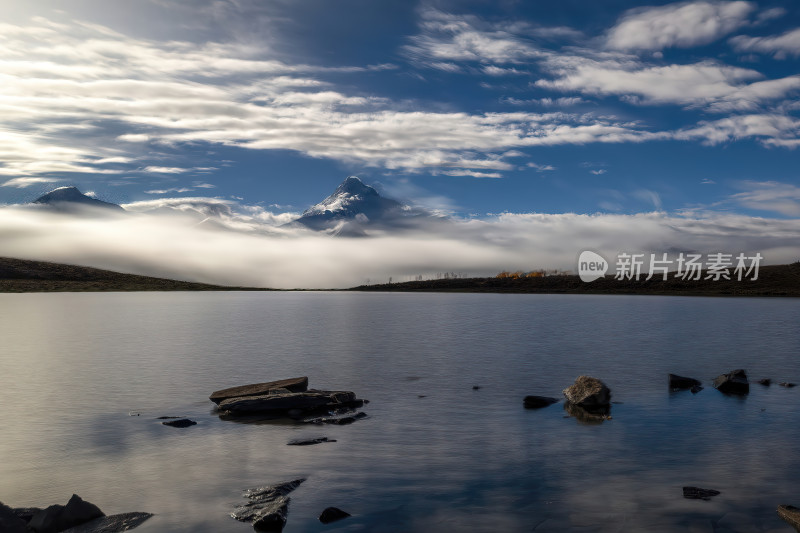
(256, 389)
(766, 382)
(111, 524)
(59, 517)
(734, 382)
(332, 514)
(696, 493)
(791, 514)
(309, 442)
(268, 506)
(788, 385)
(537, 402)
(682, 383)
(180, 423)
(589, 393)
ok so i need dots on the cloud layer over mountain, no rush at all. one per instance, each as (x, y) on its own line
(238, 246)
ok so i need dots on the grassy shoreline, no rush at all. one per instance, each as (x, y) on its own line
(775, 280)
(22, 275)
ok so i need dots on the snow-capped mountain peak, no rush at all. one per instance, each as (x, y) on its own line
(349, 198)
(351, 201)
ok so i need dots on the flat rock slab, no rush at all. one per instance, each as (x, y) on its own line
(332, 514)
(257, 389)
(785, 384)
(696, 493)
(112, 524)
(537, 402)
(287, 401)
(790, 514)
(180, 423)
(309, 442)
(734, 382)
(268, 507)
(677, 382)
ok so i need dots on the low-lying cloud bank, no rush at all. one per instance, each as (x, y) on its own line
(246, 246)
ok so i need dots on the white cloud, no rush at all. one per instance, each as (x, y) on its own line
(165, 170)
(446, 38)
(470, 173)
(770, 196)
(770, 129)
(252, 249)
(680, 25)
(165, 191)
(770, 14)
(21, 183)
(492, 70)
(598, 172)
(128, 95)
(718, 87)
(540, 168)
(649, 196)
(546, 102)
(781, 46)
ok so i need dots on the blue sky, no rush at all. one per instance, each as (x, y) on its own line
(470, 107)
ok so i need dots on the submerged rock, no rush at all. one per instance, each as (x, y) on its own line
(590, 417)
(268, 506)
(682, 383)
(791, 514)
(734, 382)
(537, 402)
(179, 423)
(309, 442)
(60, 517)
(785, 384)
(696, 389)
(336, 420)
(696, 493)
(111, 524)
(589, 393)
(766, 382)
(257, 389)
(332, 514)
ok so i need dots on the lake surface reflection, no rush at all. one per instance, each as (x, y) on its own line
(434, 455)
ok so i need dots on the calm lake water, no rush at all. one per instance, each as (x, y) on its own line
(72, 367)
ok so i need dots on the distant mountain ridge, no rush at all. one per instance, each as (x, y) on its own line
(21, 275)
(67, 198)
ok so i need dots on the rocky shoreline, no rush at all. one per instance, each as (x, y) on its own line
(266, 508)
(77, 516)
